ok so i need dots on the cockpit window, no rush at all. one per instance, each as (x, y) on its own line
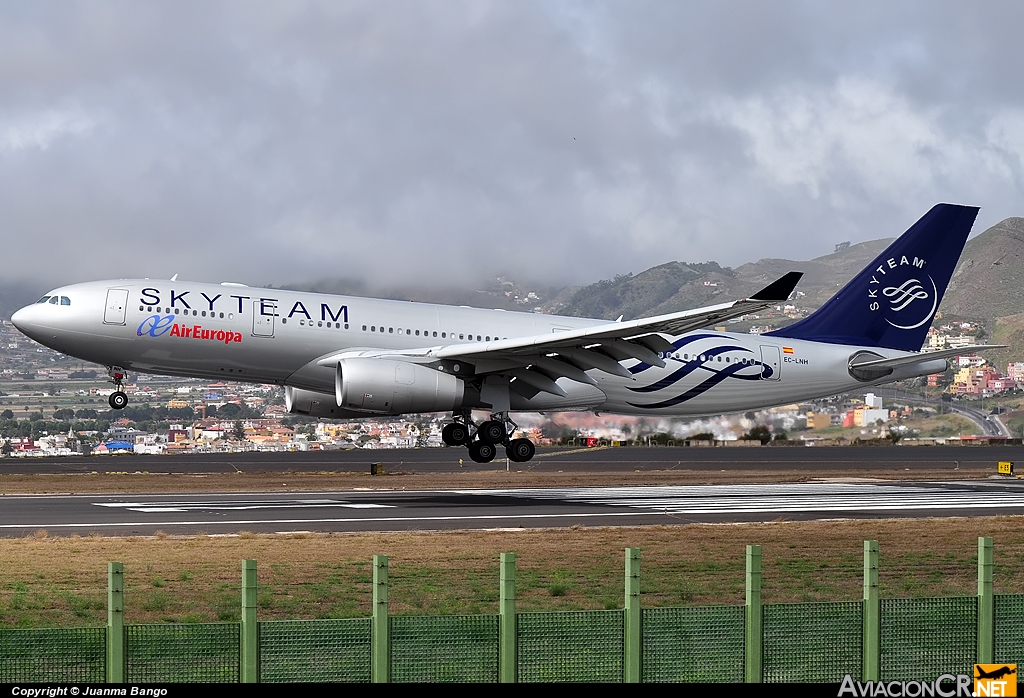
(54, 300)
(64, 300)
(43, 299)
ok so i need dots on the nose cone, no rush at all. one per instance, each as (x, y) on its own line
(21, 318)
(27, 320)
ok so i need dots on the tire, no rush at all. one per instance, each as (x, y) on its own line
(455, 434)
(493, 432)
(118, 400)
(482, 452)
(520, 450)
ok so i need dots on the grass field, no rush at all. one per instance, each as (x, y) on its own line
(50, 581)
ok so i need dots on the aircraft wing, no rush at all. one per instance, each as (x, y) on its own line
(539, 360)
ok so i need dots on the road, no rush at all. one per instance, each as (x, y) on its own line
(991, 425)
(393, 510)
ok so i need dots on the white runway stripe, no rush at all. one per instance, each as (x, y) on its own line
(726, 499)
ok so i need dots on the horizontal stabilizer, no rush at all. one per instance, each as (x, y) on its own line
(779, 290)
(923, 356)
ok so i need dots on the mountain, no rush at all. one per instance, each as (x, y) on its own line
(680, 286)
(987, 286)
(988, 282)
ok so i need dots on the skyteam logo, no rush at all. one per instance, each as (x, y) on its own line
(905, 295)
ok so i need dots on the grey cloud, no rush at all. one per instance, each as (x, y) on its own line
(563, 142)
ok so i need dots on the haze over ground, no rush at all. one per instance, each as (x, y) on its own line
(562, 142)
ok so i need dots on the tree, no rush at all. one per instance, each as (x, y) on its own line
(7, 414)
(758, 433)
(239, 432)
(229, 411)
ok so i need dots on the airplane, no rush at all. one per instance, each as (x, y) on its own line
(345, 357)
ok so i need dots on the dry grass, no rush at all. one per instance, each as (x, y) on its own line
(147, 483)
(54, 581)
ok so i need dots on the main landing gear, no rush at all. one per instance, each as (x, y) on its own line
(483, 440)
(118, 399)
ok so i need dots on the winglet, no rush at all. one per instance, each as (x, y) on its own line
(780, 289)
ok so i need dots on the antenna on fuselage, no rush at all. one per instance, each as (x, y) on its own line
(174, 278)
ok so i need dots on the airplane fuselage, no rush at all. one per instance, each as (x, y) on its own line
(241, 333)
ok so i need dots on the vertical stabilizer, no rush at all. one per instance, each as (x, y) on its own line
(892, 302)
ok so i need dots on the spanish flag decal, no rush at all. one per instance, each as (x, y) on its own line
(787, 350)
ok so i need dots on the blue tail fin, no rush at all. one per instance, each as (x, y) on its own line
(892, 302)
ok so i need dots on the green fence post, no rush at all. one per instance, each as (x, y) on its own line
(632, 658)
(754, 628)
(250, 635)
(872, 623)
(115, 622)
(380, 654)
(507, 632)
(986, 603)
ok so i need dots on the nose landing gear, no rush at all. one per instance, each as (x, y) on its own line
(483, 440)
(118, 399)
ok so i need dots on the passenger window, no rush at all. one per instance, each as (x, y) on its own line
(222, 314)
(442, 334)
(460, 336)
(410, 332)
(391, 330)
(373, 328)
(284, 321)
(204, 313)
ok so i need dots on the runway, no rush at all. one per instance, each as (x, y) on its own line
(851, 459)
(391, 510)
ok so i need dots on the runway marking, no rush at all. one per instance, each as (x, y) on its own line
(386, 519)
(783, 498)
(240, 505)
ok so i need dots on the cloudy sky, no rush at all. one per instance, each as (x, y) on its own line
(446, 142)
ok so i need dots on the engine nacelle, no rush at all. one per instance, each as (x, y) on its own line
(383, 386)
(315, 404)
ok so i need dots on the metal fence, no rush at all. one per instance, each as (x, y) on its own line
(869, 639)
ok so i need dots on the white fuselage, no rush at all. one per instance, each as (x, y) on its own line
(234, 332)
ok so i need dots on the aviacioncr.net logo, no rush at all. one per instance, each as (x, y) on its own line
(155, 325)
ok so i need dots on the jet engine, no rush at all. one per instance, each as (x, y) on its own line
(315, 404)
(383, 386)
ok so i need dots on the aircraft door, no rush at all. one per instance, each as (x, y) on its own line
(771, 363)
(263, 314)
(117, 304)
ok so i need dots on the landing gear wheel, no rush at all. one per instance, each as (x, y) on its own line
(492, 431)
(482, 452)
(455, 434)
(118, 400)
(520, 450)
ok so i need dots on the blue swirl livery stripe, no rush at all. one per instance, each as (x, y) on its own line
(686, 369)
(698, 390)
(678, 344)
